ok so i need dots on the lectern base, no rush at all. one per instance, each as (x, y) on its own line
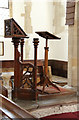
(24, 94)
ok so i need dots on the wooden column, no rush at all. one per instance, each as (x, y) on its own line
(21, 48)
(22, 44)
(16, 42)
(35, 41)
(46, 59)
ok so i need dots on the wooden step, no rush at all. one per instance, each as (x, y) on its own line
(24, 94)
(45, 96)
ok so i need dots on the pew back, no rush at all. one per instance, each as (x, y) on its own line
(11, 110)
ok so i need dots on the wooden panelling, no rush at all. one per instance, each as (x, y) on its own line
(58, 67)
(10, 63)
(7, 64)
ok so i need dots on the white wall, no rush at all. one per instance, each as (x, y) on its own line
(56, 22)
(49, 16)
(45, 16)
(39, 23)
(8, 49)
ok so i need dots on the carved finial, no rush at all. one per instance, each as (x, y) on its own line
(35, 41)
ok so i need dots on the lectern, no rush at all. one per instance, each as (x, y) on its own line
(24, 73)
(47, 36)
(14, 31)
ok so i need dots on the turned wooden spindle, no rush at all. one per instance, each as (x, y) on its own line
(46, 58)
(35, 41)
(21, 45)
(14, 31)
(16, 42)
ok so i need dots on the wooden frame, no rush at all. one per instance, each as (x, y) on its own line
(1, 48)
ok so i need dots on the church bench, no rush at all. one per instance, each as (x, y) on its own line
(11, 110)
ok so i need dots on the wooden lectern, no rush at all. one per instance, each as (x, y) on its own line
(24, 73)
(14, 31)
(47, 36)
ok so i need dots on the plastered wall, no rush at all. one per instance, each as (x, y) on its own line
(35, 16)
(56, 24)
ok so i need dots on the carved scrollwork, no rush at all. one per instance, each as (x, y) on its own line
(27, 76)
(16, 31)
(8, 28)
(13, 30)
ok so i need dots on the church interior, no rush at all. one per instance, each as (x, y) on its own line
(39, 61)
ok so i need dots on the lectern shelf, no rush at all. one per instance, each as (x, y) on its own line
(47, 35)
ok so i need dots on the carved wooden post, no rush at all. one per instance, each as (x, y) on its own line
(22, 44)
(21, 47)
(46, 58)
(35, 41)
(14, 31)
(16, 42)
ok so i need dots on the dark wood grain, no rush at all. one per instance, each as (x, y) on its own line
(59, 67)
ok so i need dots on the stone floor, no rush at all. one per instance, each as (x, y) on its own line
(41, 108)
(58, 109)
(57, 105)
(60, 100)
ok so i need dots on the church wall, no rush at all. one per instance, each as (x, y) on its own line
(78, 48)
(53, 20)
(56, 18)
(72, 50)
(36, 16)
(8, 48)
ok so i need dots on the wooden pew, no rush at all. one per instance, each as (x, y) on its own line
(11, 110)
